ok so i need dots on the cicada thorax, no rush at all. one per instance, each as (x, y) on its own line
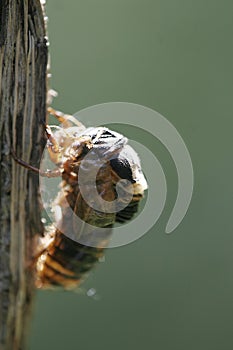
(82, 231)
(82, 208)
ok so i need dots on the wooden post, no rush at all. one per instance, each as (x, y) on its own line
(23, 89)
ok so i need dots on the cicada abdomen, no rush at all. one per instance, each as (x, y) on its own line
(65, 263)
(82, 229)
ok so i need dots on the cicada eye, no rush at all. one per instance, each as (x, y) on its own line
(122, 167)
(127, 165)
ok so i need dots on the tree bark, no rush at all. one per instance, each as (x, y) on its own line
(23, 91)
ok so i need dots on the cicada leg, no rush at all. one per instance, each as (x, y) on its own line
(52, 145)
(65, 119)
(49, 173)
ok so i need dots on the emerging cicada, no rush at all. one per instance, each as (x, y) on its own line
(77, 244)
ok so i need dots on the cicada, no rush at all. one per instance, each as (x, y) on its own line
(75, 246)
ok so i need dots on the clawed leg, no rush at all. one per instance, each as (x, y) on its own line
(49, 173)
(54, 152)
(66, 119)
(52, 145)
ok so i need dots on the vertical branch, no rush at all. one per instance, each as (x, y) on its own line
(23, 62)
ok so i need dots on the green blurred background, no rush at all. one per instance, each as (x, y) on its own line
(174, 56)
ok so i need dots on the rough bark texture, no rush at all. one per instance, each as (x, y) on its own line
(23, 61)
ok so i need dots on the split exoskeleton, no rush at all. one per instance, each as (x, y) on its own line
(76, 245)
